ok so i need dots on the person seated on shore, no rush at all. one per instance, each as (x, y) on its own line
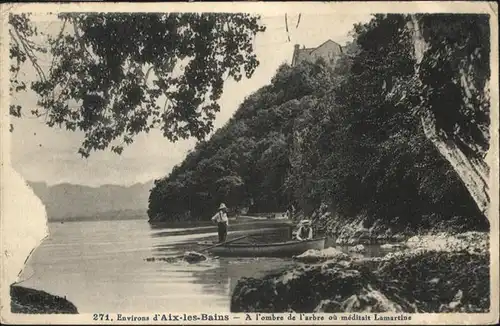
(305, 231)
(222, 222)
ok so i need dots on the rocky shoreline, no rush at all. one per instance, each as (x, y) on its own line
(361, 229)
(431, 274)
(29, 301)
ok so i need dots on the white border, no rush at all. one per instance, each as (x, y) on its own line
(269, 9)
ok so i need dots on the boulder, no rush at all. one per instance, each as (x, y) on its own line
(351, 241)
(392, 246)
(194, 257)
(328, 287)
(30, 301)
(452, 282)
(398, 237)
(358, 248)
(471, 242)
(315, 256)
(339, 241)
(369, 300)
(191, 257)
(301, 289)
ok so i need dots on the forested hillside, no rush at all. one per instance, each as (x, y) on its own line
(350, 136)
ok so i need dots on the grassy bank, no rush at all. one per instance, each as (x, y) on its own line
(434, 273)
(30, 301)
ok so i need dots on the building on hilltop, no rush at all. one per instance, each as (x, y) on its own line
(330, 51)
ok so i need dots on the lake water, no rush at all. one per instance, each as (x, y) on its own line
(100, 266)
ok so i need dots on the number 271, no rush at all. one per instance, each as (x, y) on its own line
(101, 316)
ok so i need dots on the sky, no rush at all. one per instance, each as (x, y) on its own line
(44, 154)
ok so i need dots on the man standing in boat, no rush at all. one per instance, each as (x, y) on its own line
(305, 231)
(222, 222)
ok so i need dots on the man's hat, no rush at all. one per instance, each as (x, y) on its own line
(305, 222)
(222, 206)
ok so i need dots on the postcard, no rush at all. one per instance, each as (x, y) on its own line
(249, 163)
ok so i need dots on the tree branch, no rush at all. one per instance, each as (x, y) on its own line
(58, 38)
(77, 34)
(29, 54)
(147, 74)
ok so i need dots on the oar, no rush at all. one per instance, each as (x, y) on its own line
(225, 243)
(217, 245)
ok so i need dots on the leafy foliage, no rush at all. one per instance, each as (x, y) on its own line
(115, 75)
(246, 162)
(349, 136)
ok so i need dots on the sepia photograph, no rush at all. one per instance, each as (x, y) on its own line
(249, 163)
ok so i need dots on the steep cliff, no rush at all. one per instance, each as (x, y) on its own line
(463, 53)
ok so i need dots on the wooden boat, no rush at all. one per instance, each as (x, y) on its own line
(280, 249)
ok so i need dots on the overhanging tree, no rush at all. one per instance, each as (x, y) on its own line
(114, 75)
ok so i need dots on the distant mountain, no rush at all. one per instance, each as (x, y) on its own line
(77, 202)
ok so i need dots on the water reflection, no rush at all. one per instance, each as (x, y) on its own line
(200, 241)
(222, 279)
(240, 224)
(219, 276)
